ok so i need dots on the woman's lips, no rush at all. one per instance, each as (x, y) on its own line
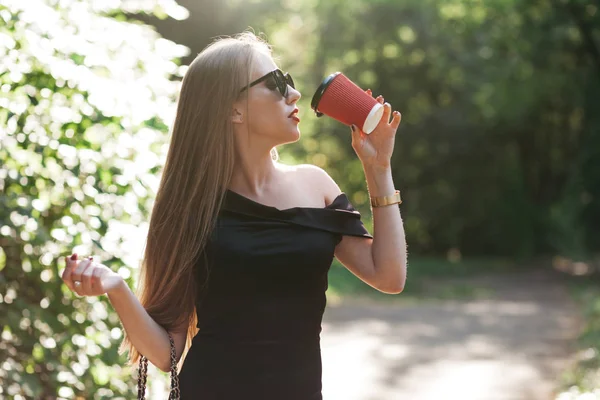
(293, 115)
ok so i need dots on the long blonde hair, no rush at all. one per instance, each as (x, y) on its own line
(197, 172)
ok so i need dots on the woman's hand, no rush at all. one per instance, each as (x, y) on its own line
(375, 150)
(94, 279)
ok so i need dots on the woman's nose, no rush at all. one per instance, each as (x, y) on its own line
(293, 95)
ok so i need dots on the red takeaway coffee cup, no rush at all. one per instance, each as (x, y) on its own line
(341, 99)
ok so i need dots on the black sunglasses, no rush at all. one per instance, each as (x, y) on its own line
(281, 81)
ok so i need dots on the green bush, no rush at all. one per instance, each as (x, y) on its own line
(85, 96)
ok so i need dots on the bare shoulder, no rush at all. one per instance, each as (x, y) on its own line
(318, 179)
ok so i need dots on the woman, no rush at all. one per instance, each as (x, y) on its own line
(239, 245)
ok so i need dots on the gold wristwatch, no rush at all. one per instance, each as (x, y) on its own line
(386, 200)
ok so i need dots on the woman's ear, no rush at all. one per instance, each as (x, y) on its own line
(236, 116)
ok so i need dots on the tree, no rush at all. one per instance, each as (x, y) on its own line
(86, 96)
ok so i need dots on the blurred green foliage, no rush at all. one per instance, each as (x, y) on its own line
(428, 279)
(584, 374)
(83, 102)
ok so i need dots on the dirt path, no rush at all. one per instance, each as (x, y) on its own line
(510, 346)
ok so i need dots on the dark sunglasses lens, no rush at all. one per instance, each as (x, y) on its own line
(280, 80)
(289, 80)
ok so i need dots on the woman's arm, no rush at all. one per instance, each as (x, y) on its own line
(381, 261)
(388, 248)
(148, 337)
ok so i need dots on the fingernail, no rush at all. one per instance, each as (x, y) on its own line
(74, 256)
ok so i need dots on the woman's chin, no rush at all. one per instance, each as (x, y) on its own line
(298, 134)
(293, 136)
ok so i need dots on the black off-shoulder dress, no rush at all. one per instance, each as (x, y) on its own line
(260, 313)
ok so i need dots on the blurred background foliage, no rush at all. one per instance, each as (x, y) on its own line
(498, 153)
(85, 98)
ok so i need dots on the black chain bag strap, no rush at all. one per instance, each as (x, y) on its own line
(143, 371)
